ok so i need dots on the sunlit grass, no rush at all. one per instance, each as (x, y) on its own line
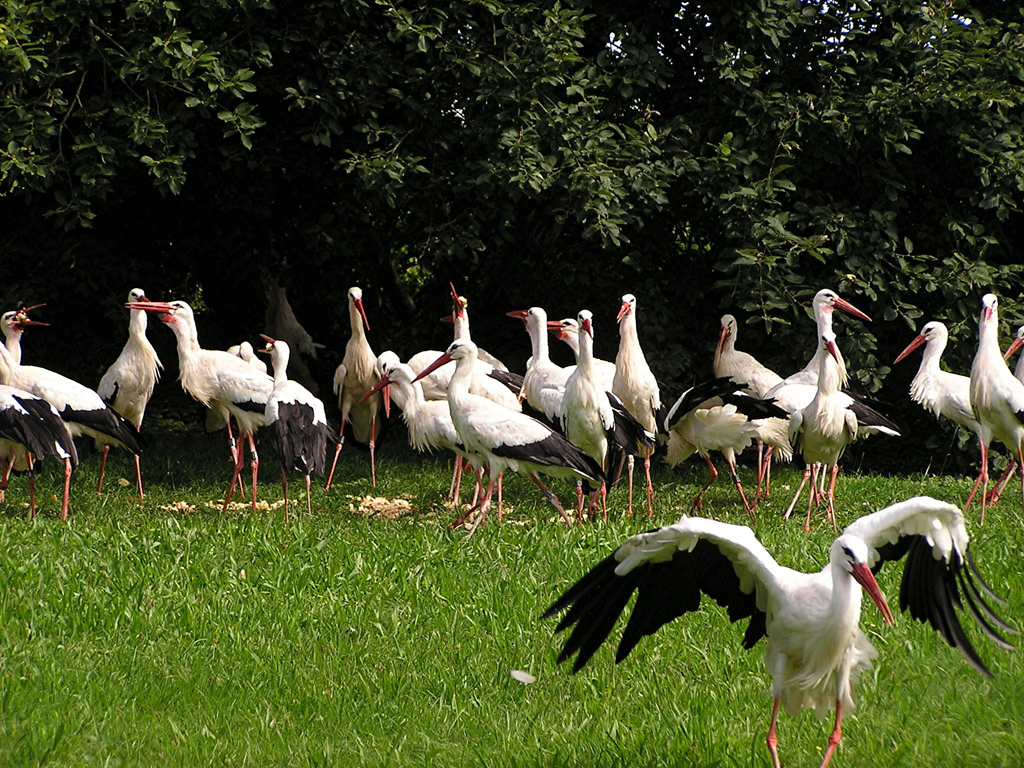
(172, 634)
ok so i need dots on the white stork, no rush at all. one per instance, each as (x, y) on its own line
(81, 408)
(718, 416)
(997, 397)
(544, 382)
(568, 330)
(741, 367)
(1018, 372)
(352, 378)
(592, 417)
(507, 439)
(830, 422)
(815, 647)
(128, 383)
(30, 430)
(429, 421)
(215, 377)
(13, 324)
(635, 385)
(297, 421)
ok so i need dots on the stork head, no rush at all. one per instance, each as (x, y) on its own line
(930, 332)
(382, 385)
(355, 299)
(728, 330)
(459, 303)
(172, 313)
(826, 300)
(460, 349)
(564, 328)
(18, 319)
(850, 554)
(585, 318)
(136, 294)
(628, 307)
(265, 350)
(520, 314)
(989, 309)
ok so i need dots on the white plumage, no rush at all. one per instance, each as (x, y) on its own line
(544, 381)
(815, 647)
(507, 439)
(636, 386)
(218, 378)
(352, 379)
(128, 383)
(997, 397)
(568, 330)
(741, 367)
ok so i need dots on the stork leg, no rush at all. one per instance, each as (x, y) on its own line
(477, 497)
(67, 490)
(373, 461)
(233, 448)
(284, 488)
(309, 502)
(650, 485)
(550, 497)
(500, 490)
(996, 492)
(832, 495)
(337, 450)
(1020, 458)
(749, 508)
(629, 505)
(485, 504)
(103, 467)
(239, 463)
(772, 739)
(579, 500)
(697, 503)
(812, 497)
(6, 475)
(833, 739)
(984, 480)
(138, 477)
(453, 489)
(254, 462)
(799, 490)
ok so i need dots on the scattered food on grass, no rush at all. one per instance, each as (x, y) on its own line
(381, 506)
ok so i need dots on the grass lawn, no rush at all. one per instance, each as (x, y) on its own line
(172, 634)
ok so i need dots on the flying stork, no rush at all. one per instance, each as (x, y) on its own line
(297, 421)
(815, 647)
(128, 383)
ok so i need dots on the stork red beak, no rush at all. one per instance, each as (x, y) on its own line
(848, 307)
(448, 319)
(917, 342)
(588, 327)
(624, 310)
(518, 314)
(270, 344)
(722, 337)
(1016, 344)
(831, 347)
(863, 576)
(22, 320)
(458, 303)
(444, 358)
(381, 386)
(359, 306)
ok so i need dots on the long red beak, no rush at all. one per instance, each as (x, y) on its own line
(831, 347)
(458, 303)
(151, 306)
(863, 576)
(22, 319)
(623, 311)
(444, 358)
(722, 337)
(381, 386)
(359, 306)
(1016, 344)
(914, 344)
(518, 314)
(848, 307)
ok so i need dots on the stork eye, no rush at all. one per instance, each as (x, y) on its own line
(849, 553)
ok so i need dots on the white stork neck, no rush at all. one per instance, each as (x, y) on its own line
(933, 350)
(831, 373)
(460, 324)
(279, 357)
(847, 595)
(573, 340)
(137, 324)
(355, 320)
(188, 340)
(585, 358)
(7, 366)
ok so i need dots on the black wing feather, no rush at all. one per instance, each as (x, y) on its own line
(513, 381)
(108, 422)
(666, 591)
(553, 450)
(697, 394)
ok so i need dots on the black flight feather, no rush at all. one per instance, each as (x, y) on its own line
(107, 422)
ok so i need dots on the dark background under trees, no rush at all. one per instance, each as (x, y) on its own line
(705, 156)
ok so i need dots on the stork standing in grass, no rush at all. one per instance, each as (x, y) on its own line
(815, 648)
(218, 378)
(507, 439)
(128, 383)
(635, 385)
(352, 378)
(298, 423)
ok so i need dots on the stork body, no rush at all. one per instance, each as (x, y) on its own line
(592, 417)
(741, 367)
(507, 439)
(298, 423)
(217, 378)
(30, 430)
(829, 423)
(128, 383)
(997, 398)
(815, 648)
(636, 386)
(544, 382)
(354, 377)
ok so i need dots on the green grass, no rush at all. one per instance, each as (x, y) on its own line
(155, 636)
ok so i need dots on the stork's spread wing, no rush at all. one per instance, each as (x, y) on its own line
(696, 395)
(670, 568)
(931, 535)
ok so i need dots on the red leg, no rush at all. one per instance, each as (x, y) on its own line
(832, 496)
(103, 467)
(551, 497)
(697, 503)
(309, 502)
(833, 739)
(485, 504)
(239, 462)
(254, 460)
(773, 740)
(812, 497)
(500, 491)
(337, 450)
(138, 477)
(67, 490)
(373, 461)
(650, 485)
(629, 506)
(284, 487)
(984, 480)
(736, 481)
(799, 490)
